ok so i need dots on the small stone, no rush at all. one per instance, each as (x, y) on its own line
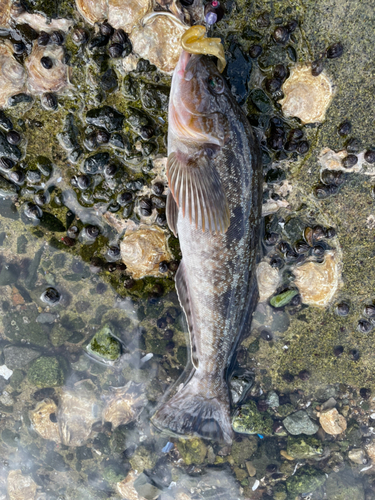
(250, 469)
(300, 423)
(192, 451)
(357, 456)
(249, 420)
(272, 399)
(19, 357)
(301, 448)
(332, 422)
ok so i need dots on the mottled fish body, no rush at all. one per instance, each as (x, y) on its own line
(214, 206)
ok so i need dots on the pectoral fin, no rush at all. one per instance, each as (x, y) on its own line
(197, 189)
(172, 213)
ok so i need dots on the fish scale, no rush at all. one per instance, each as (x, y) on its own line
(215, 282)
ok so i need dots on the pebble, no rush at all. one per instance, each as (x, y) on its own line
(300, 423)
(251, 469)
(332, 422)
(357, 456)
(19, 357)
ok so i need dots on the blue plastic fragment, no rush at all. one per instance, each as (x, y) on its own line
(261, 437)
(168, 447)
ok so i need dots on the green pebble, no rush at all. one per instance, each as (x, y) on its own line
(304, 447)
(283, 299)
(46, 372)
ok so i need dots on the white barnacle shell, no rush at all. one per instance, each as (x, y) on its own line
(142, 251)
(20, 487)
(126, 14)
(158, 39)
(306, 96)
(77, 412)
(12, 74)
(93, 11)
(125, 404)
(42, 79)
(42, 423)
(268, 280)
(318, 282)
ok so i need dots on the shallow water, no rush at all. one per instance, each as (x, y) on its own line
(76, 426)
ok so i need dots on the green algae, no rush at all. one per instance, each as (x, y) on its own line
(104, 346)
(303, 447)
(305, 480)
(249, 420)
(192, 451)
(46, 372)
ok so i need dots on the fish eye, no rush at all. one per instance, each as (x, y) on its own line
(216, 84)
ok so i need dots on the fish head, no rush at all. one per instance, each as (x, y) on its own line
(198, 101)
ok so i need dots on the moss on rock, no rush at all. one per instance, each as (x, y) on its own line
(46, 372)
(192, 451)
(248, 420)
(305, 480)
(104, 346)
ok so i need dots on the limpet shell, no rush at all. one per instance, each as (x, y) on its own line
(42, 422)
(142, 251)
(318, 282)
(158, 39)
(47, 80)
(306, 96)
(12, 74)
(125, 404)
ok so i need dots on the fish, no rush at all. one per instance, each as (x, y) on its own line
(214, 207)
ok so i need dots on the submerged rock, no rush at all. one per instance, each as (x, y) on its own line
(44, 420)
(126, 487)
(20, 487)
(332, 422)
(306, 96)
(12, 74)
(304, 447)
(143, 250)
(192, 451)
(248, 420)
(305, 480)
(318, 282)
(124, 404)
(104, 346)
(46, 371)
(300, 423)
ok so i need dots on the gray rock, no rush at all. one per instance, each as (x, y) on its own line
(273, 399)
(300, 423)
(7, 189)
(46, 318)
(19, 357)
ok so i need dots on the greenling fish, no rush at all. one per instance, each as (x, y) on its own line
(214, 206)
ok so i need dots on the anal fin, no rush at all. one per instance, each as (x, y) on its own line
(184, 297)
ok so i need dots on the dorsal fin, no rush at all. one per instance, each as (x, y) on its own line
(172, 213)
(198, 191)
(184, 297)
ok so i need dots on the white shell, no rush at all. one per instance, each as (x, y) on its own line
(125, 404)
(306, 96)
(142, 251)
(42, 423)
(47, 80)
(12, 74)
(268, 280)
(126, 14)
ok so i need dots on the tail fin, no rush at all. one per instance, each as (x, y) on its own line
(193, 411)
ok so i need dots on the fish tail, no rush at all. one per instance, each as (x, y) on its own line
(196, 410)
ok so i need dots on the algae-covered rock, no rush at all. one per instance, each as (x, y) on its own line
(304, 447)
(279, 492)
(192, 451)
(244, 449)
(143, 459)
(46, 372)
(305, 480)
(343, 486)
(104, 346)
(248, 420)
